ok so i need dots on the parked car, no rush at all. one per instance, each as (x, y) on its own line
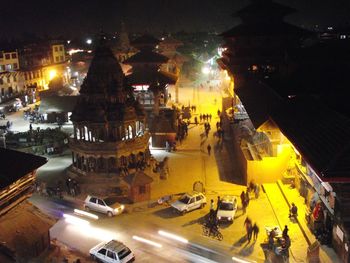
(189, 202)
(227, 209)
(112, 252)
(106, 206)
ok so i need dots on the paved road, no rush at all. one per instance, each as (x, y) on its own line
(123, 228)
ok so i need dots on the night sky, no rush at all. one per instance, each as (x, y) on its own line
(79, 17)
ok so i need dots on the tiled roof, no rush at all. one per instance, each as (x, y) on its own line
(15, 164)
(321, 135)
(258, 100)
(138, 179)
(149, 77)
(278, 29)
(147, 56)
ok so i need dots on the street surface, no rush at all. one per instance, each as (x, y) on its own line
(221, 172)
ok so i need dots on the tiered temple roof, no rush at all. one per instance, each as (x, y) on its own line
(105, 95)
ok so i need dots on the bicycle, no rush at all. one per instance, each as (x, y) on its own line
(212, 231)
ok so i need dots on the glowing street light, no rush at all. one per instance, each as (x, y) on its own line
(205, 70)
(89, 41)
(52, 74)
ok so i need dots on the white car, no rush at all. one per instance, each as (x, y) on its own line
(106, 206)
(189, 202)
(112, 252)
(227, 209)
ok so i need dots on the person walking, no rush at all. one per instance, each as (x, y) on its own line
(209, 117)
(196, 120)
(247, 198)
(248, 228)
(200, 117)
(218, 203)
(285, 231)
(212, 211)
(255, 231)
(242, 197)
(209, 148)
(257, 191)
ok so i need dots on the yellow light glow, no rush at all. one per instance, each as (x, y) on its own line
(52, 74)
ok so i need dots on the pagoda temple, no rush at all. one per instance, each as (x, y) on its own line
(168, 47)
(258, 45)
(109, 124)
(149, 82)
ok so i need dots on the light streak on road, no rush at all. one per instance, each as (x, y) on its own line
(146, 241)
(75, 220)
(172, 236)
(239, 260)
(84, 213)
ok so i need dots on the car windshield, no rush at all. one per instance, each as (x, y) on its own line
(124, 253)
(185, 199)
(226, 206)
(110, 201)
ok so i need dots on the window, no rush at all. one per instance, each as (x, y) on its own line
(14, 55)
(142, 189)
(100, 202)
(93, 200)
(191, 201)
(61, 58)
(102, 251)
(110, 254)
(56, 49)
(198, 198)
(7, 56)
(56, 58)
(61, 48)
(15, 66)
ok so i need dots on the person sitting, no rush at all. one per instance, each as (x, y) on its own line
(293, 211)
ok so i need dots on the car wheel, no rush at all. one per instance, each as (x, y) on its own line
(109, 214)
(87, 208)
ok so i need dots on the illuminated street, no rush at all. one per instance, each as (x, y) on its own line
(190, 163)
(174, 131)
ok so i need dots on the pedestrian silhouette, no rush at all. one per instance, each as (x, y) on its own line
(255, 231)
(209, 149)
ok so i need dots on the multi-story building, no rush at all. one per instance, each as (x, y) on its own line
(8, 60)
(26, 71)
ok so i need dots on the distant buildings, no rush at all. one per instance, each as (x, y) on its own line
(27, 70)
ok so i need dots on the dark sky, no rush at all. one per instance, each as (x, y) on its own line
(80, 17)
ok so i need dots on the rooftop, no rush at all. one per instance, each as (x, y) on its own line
(11, 171)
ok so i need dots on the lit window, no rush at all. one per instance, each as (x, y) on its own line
(14, 55)
(342, 36)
